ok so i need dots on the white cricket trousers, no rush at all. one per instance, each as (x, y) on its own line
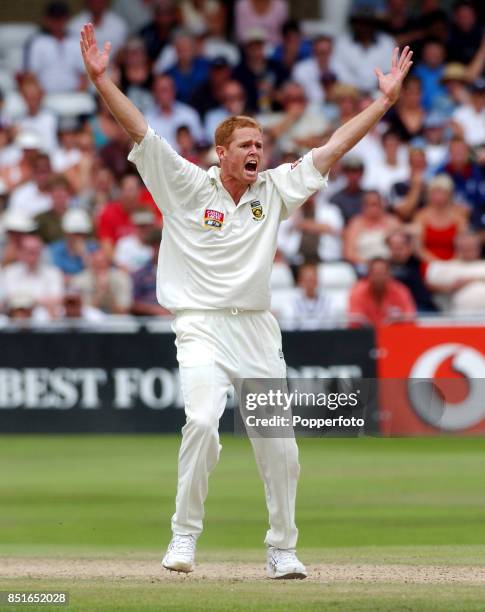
(213, 349)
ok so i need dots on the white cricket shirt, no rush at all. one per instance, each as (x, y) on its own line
(215, 254)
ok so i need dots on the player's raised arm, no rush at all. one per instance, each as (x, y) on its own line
(349, 134)
(122, 109)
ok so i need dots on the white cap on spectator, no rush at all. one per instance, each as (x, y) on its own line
(28, 140)
(15, 221)
(21, 300)
(255, 34)
(76, 221)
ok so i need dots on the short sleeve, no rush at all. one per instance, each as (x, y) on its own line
(171, 179)
(297, 182)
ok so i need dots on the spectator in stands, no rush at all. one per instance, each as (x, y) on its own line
(430, 72)
(53, 55)
(37, 119)
(115, 154)
(168, 114)
(190, 69)
(136, 79)
(298, 127)
(115, 219)
(409, 195)
(71, 253)
(349, 199)
(103, 287)
(268, 15)
(379, 299)
(101, 190)
(213, 39)
(233, 102)
(465, 32)
(400, 24)
(195, 13)
(309, 72)
(406, 268)
(21, 169)
(366, 233)
(157, 34)
(358, 53)
(132, 252)
(145, 302)
(49, 223)
(294, 48)
(135, 13)
(109, 26)
(73, 307)
(435, 135)
(471, 117)
(16, 226)
(21, 309)
(382, 175)
(67, 155)
(455, 78)
(186, 145)
(346, 99)
(460, 281)
(439, 221)
(468, 180)
(407, 117)
(34, 197)
(210, 94)
(104, 128)
(312, 308)
(313, 233)
(258, 75)
(43, 282)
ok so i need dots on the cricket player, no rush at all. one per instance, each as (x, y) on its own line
(219, 240)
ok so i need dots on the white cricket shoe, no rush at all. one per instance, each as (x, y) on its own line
(284, 564)
(180, 554)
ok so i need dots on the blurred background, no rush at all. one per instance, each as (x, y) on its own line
(380, 275)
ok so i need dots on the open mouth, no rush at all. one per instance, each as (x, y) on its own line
(251, 166)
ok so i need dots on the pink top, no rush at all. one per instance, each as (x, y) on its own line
(270, 22)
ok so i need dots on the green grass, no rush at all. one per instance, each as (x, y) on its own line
(368, 500)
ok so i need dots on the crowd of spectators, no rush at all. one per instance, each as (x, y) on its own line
(401, 224)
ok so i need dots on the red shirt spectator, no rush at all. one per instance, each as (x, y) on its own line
(378, 299)
(114, 220)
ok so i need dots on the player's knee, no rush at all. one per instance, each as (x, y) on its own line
(203, 424)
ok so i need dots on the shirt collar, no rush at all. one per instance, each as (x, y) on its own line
(214, 174)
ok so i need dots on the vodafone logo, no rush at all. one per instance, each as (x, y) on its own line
(428, 401)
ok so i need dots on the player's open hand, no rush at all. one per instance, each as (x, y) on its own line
(96, 61)
(390, 84)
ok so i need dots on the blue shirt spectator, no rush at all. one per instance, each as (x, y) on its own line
(70, 253)
(430, 72)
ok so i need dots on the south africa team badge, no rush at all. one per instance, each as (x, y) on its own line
(257, 210)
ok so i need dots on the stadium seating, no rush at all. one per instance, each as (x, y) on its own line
(70, 104)
(12, 39)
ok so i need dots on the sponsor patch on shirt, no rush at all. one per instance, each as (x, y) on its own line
(257, 210)
(295, 163)
(213, 218)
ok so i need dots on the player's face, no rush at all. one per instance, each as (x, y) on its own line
(242, 158)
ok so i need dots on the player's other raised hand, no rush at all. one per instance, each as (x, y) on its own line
(390, 84)
(95, 61)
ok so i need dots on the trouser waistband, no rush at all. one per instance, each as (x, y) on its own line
(220, 311)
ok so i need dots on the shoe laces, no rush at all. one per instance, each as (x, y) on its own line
(284, 554)
(183, 543)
